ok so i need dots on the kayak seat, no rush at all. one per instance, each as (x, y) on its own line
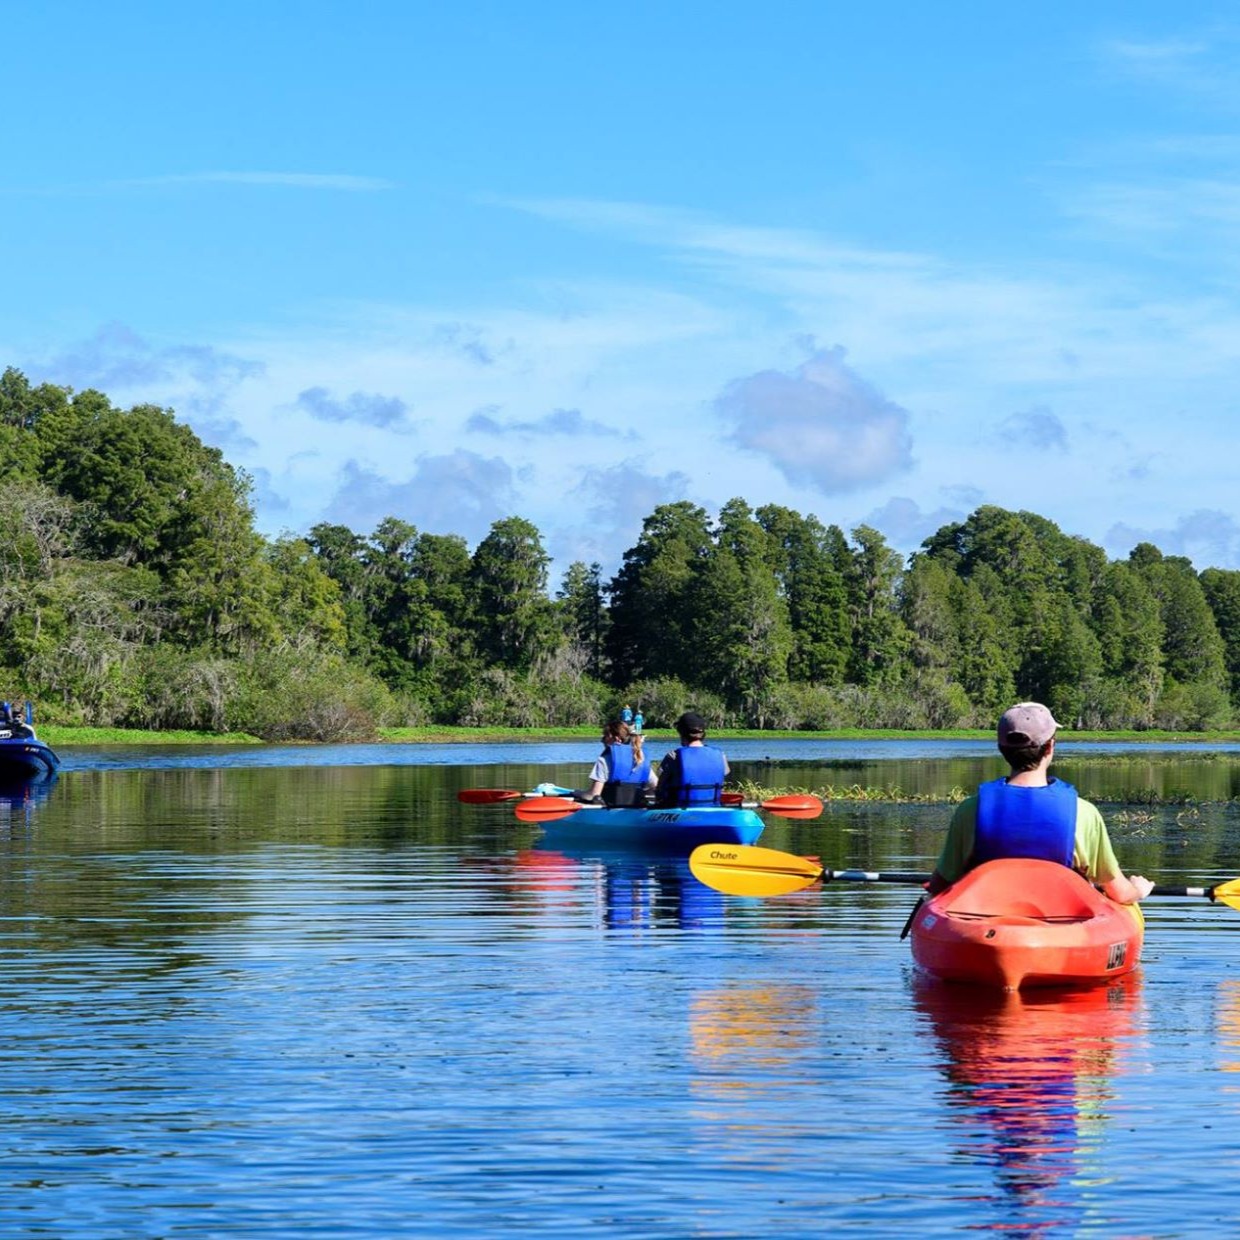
(1045, 891)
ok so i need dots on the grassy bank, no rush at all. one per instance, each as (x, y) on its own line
(454, 735)
(57, 736)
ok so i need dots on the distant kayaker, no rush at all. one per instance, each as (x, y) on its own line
(693, 773)
(621, 773)
(1032, 814)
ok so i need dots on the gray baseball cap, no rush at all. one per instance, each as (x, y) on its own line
(1026, 723)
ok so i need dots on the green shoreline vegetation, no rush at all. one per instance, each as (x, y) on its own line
(138, 599)
(57, 734)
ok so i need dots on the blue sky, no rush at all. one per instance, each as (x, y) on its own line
(881, 263)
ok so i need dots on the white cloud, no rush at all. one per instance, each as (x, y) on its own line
(615, 500)
(561, 423)
(456, 493)
(199, 382)
(822, 425)
(906, 526)
(1037, 430)
(368, 409)
(1207, 536)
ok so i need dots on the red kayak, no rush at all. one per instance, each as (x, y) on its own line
(1016, 923)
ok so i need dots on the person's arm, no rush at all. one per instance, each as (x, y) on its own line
(1094, 850)
(957, 847)
(668, 778)
(598, 777)
(1128, 890)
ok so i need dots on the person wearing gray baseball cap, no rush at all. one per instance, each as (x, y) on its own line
(1030, 813)
(693, 772)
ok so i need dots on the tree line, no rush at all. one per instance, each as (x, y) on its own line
(135, 591)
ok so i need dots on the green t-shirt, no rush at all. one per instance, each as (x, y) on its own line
(1092, 853)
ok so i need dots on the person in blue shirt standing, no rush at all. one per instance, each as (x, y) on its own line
(694, 772)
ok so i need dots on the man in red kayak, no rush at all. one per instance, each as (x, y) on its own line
(1032, 814)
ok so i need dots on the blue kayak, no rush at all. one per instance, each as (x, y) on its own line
(26, 757)
(668, 830)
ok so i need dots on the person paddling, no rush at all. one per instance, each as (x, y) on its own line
(1030, 813)
(621, 773)
(693, 773)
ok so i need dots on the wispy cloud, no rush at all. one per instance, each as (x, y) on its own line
(364, 408)
(281, 180)
(560, 423)
(1037, 430)
(198, 381)
(1159, 59)
(456, 493)
(615, 499)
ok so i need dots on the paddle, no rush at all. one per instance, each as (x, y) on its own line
(747, 870)
(789, 805)
(549, 808)
(487, 796)
(545, 809)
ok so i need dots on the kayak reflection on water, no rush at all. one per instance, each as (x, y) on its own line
(1030, 1082)
(633, 891)
(20, 797)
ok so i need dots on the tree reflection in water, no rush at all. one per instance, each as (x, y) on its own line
(1030, 1082)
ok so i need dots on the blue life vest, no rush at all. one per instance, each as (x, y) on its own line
(626, 781)
(1014, 821)
(701, 771)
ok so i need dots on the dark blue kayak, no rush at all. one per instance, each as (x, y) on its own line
(25, 757)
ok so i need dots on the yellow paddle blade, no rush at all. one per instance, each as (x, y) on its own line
(744, 870)
(1228, 893)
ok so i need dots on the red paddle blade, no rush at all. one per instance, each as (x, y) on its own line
(486, 796)
(794, 805)
(732, 798)
(542, 809)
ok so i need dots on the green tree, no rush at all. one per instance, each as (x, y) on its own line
(927, 606)
(1128, 624)
(1222, 590)
(514, 619)
(652, 620)
(741, 636)
(985, 659)
(1192, 647)
(880, 638)
(303, 598)
(21, 407)
(342, 556)
(805, 557)
(583, 613)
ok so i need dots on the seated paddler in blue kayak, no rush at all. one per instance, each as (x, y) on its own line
(621, 774)
(694, 772)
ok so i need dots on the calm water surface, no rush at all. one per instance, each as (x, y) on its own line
(304, 992)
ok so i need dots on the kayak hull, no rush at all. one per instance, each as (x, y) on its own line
(1018, 924)
(26, 758)
(670, 830)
